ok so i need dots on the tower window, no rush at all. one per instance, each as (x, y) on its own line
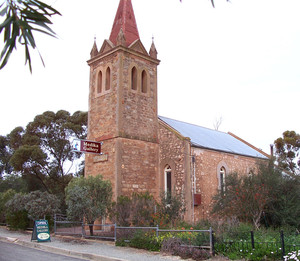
(144, 82)
(168, 179)
(99, 82)
(107, 79)
(134, 78)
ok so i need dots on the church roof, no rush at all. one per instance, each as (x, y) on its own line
(211, 139)
(125, 20)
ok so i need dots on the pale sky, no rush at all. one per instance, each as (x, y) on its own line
(239, 61)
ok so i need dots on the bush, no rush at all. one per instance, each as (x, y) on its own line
(18, 220)
(140, 239)
(176, 247)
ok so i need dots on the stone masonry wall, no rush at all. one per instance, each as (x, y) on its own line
(172, 153)
(138, 115)
(207, 167)
(139, 161)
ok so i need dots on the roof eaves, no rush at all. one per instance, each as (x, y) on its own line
(229, 152)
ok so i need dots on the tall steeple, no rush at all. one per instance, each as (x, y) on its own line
(124, 20)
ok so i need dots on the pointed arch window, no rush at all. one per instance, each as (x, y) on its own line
(168, 179)
(222, 175)
(134, 78)
(99, 82)
(107, 79)
(144, 82)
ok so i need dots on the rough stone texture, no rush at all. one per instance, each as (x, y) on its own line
(174, 152)
(207, 165)
(125, 120)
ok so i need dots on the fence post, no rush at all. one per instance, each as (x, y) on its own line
(282, 244)
(115, 233)
(252, 239)
(157, 231)
(82, 229)
(54, 223)
(211, 242)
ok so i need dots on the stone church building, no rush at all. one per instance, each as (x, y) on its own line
(141, 150)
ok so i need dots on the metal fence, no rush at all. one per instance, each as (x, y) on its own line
(278, 245)
(62, 226)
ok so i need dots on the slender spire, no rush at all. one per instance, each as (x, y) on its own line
(124, 20)
(94, 50)
(153, 51)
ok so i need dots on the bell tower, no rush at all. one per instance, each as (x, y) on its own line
(123, 108)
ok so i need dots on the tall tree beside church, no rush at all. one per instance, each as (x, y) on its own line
(288, 152)
(4, 156)
(42, 153)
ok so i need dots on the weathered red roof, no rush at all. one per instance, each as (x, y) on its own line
(125, 19)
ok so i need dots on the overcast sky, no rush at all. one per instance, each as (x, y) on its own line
(239, 61)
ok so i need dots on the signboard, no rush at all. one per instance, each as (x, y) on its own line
(87, 146)
(40, 231)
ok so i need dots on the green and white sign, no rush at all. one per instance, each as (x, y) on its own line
(41, 231)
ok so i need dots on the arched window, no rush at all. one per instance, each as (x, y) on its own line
(99, 82)
(168, 179)
(107, 79)
(222, 174)
(144, 82)
(134, 78)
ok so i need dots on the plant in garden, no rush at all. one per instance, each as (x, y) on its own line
(41, 204)
(120, 211)
(4, 198)
(143, 207)
(88, 199)
(35, 205)
(268, 197)
(295, 255)
(246, 198)
(170, 209)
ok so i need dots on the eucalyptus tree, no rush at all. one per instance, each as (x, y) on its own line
(42, 153)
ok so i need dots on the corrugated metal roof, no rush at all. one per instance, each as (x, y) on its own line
(212, 139)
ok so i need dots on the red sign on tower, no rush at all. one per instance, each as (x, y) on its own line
(87, 146)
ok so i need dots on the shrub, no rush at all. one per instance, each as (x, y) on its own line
(176, 247)
(18, 220)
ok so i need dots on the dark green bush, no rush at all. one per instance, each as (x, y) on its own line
(18, 220)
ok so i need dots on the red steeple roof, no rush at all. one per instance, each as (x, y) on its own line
(124, 19)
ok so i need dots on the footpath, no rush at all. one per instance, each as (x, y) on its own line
(83, 248)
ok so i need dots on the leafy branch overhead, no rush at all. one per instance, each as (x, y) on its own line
(22, 19)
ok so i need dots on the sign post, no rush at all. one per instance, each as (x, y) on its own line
(41, 231)
(87, 146)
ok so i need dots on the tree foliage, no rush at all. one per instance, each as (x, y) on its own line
(35, 205)
(88, 199)
(4, 198)
(170, 209)
(288, 152)
(141, 209)
(40, 204)
(268, 197)
(22, 18)
(42, 153)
